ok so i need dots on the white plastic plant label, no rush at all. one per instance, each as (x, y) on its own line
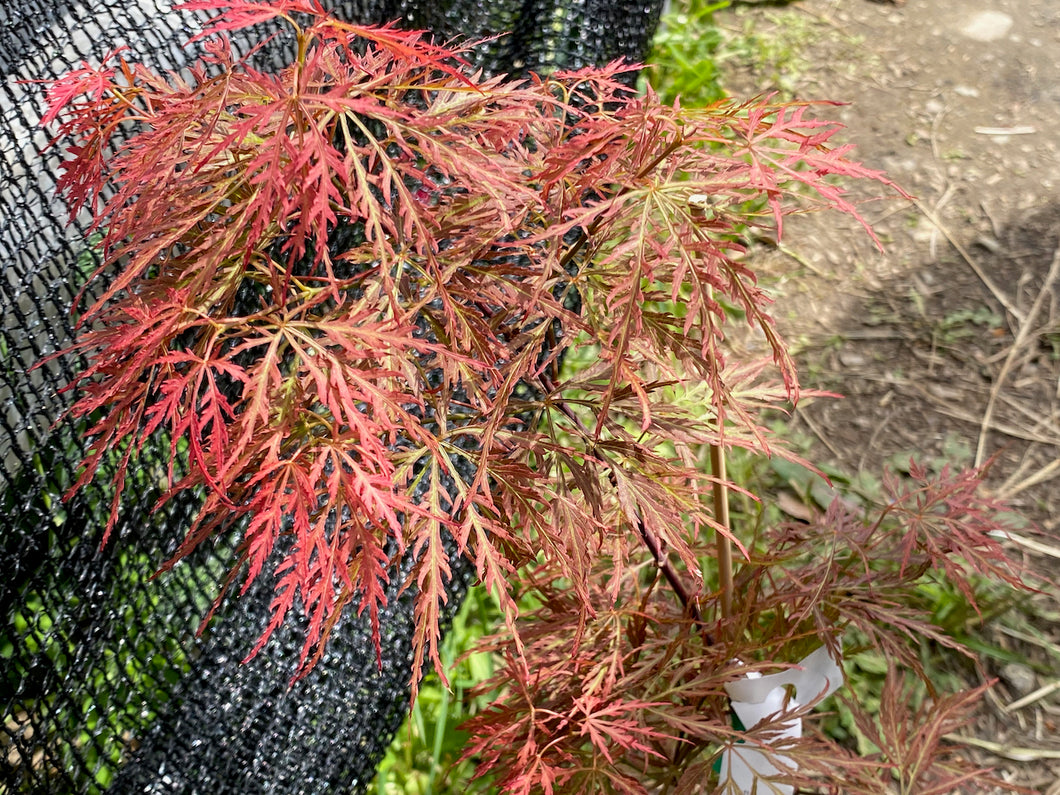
(744, 769)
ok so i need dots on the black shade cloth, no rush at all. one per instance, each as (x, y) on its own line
(104, 685)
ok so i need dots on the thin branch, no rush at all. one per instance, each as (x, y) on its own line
(584, 237)
(662, 562)
(647, 537)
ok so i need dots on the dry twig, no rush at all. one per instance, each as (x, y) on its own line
(1007, 751)
(820, 434)
(997, 292)
(1031, 698)
(1011, 487)
(1031, 544)
(1017, 346)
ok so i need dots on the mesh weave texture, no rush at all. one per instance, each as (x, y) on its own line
(104, 685)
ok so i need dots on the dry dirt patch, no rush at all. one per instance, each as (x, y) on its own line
(947, 343)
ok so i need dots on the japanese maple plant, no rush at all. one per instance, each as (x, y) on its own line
(352, 290)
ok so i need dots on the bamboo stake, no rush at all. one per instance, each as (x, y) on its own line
(721, 515)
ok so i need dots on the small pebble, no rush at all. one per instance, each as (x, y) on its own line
(1021, 677)
(851, 359)
(989, 243)
(987, 26)
(945, 392)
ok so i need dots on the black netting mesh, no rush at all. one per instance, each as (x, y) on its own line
(104, 685)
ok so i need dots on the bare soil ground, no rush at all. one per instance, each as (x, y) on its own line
(946, 344)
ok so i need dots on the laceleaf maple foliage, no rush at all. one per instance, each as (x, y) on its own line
(348, 288)
(637, 704)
